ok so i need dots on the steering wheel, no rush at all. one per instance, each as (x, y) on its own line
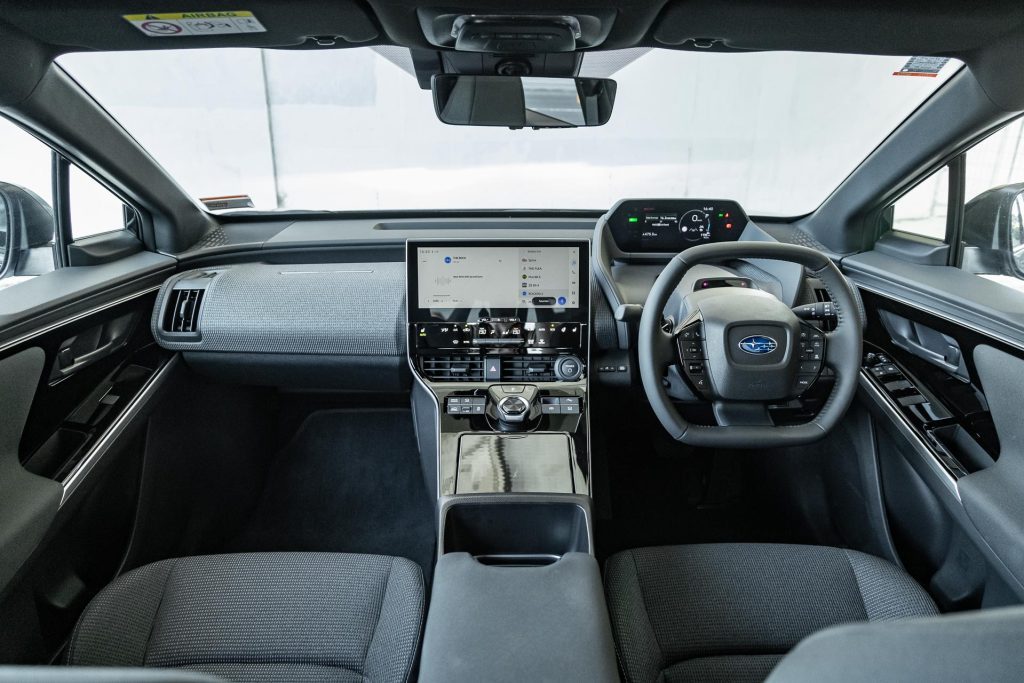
(743, 349)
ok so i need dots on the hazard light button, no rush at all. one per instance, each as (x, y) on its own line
(492, 369)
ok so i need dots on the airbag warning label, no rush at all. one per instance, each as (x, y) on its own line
(179, 24)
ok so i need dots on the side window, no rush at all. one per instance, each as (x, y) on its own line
(993, 230)
(923, 210)
(26, 213)
(94, 209)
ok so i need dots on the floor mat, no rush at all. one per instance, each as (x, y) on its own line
(348, 481)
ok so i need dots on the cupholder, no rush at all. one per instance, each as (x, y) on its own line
(516, 533)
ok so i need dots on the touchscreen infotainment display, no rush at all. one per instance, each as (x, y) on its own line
(512, 277)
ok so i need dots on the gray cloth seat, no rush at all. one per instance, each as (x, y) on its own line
(729, 612)
(260, 617)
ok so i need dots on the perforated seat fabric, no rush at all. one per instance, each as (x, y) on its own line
(729, 612)
(260, 617)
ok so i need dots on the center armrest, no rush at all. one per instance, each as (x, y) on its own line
(501, 623)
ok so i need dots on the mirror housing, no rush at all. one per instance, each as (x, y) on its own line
(522, 102)
(26, 232)
(993, 232)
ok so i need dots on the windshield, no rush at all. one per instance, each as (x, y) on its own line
(352, 130)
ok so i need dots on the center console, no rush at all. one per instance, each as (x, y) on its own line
(498, 339)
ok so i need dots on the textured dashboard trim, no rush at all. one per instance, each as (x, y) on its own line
(354, 309)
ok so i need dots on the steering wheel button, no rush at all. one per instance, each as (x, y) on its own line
(809, 368)
(695, 368)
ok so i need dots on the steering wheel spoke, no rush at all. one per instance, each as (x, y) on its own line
(742, 413)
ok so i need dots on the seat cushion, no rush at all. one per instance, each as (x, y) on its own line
(260, 617)
(729, 612)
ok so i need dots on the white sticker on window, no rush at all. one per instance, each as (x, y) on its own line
(929, 67)
(176, 24)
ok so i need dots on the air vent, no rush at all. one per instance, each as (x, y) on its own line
(182, 312)
(453, 368)
(821, 295)
(528, 369)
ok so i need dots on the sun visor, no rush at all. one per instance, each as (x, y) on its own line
(913, 27)
(104, 25)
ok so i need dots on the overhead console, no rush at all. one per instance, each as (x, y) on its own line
(672, 225)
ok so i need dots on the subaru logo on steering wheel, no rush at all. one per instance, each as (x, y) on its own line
(758, 344)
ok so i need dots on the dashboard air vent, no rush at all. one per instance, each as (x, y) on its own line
(528, 369)
(453, 368)
(182, 312)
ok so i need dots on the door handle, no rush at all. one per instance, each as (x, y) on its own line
(94, 344)
(927, 344)
(69, 363)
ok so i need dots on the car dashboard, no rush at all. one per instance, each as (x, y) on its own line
(501, 329)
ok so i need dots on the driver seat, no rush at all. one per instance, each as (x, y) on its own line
(730, 612)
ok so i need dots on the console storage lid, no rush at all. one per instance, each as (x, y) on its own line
(518, 623)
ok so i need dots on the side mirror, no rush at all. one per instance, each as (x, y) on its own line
(26, 232)
(993, 232)
(527, 102)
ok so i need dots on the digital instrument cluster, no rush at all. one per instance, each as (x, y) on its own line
(672, 225)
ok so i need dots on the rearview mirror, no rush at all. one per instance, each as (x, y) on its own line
(522, 102)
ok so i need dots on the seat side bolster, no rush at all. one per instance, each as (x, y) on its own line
(888, 593)
(396, 636)
(115, 631)
(640, 655)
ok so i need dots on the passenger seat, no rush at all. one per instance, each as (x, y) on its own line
(260, 616)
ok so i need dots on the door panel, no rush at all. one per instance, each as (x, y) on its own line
(938, 443)
(28, 503)
(74, 400)
(994, 497)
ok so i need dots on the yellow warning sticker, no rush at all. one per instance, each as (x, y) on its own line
(179, 24)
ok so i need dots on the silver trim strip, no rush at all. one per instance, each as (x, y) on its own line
(1017, 344)
(437, 426)
(78, 316)
(102, 446)
(910, 433)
